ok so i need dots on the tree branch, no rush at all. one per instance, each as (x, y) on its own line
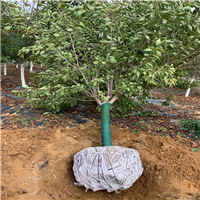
(77, 62)
(98, 101)
(115, 98)
(109, 91)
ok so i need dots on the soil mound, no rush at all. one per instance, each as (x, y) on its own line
(37, 165)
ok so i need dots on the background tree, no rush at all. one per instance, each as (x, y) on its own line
(12, 38)
(104, 50)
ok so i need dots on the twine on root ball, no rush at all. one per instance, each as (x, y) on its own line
(110, 168)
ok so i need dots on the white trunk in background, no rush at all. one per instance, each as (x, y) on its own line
(16, 65)
(187, 93)
(5, 69)
(188, 90)
(41, 64)
(22, 75)
(31, 67)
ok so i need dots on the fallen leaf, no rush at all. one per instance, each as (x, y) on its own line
(194, 149)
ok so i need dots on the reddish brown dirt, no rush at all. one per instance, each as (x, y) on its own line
(171, 169)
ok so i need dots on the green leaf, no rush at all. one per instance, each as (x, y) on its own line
(7, 28)
(194, 149)
(148, 50)
(81, 23)
(46, 113)
(190, 27)
(158, 42)
(184, 135)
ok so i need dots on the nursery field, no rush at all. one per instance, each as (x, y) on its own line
(37, 150)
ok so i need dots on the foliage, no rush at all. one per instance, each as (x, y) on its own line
(51, 98)
(184, 84)
(101, 50)
(168, 100)
(4, 59)
(192, 125)
(12, 40)
(124, 106)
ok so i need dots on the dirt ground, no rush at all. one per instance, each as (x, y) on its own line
(171, 169)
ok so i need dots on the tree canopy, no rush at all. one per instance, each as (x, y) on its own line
(12, 40)
(102, 51)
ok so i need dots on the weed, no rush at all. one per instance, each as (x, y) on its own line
(192, 125)
(162, 129)
(22, 120)
(24, 123)
(134, 132)
(197, 93)
(161, 135)
(156, 114)
(44, 128)
(168, 99)
(178, 133)
(184, 135)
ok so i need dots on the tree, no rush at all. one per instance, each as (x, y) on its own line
(105, 51)
(11, 41)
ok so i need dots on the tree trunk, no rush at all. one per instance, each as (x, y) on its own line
(5, 70)
(31, 67)
(105, 124)
(188, 90)
(22, 75)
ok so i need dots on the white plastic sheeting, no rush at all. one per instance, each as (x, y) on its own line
(110, 168)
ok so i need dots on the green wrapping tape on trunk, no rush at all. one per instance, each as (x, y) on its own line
(105, 124)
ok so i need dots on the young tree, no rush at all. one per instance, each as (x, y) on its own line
(110, 50)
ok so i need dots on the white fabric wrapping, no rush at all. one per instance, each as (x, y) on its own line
(110, 168)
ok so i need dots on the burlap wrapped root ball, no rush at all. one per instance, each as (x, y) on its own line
(110, 168)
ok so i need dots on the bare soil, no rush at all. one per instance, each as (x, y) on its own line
(171, 169)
